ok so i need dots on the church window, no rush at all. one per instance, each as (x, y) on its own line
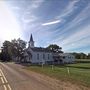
(48, 56)
(38, 56)
(43, 56)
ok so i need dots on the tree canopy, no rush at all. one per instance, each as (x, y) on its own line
(15, 48)
(54, 48)
(81, 55)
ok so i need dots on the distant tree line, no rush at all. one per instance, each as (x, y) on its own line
(81, 55)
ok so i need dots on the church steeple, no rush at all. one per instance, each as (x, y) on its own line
(31, 42)
(31, 38)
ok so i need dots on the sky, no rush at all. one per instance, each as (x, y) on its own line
(62, 22)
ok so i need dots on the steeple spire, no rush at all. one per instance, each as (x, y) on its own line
(31, 42)
(31, 38)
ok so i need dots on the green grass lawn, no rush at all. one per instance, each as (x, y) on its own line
(78, 73)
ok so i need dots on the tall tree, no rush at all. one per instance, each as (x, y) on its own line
(12, 50)
(55, 48)
(18, 48)
(6, 51)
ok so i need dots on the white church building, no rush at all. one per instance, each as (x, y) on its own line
(39, 55)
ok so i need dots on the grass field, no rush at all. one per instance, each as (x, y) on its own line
(78, 73)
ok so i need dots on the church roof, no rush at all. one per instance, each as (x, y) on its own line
(40, 49)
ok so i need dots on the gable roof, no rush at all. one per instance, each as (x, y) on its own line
(40, 49)
(66, 54)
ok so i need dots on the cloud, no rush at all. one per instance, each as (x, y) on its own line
(36, 3)
(50, 23)
(69, 9)
(28, 18)
(9, 27)
(76, 23)
(16, 8)
(83, 15)
(78, 39)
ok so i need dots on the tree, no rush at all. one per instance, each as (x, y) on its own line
(83, 56)
(55, 48)
(80, 55)
(88, 56)
(18, 49)
(13, 49)
(6, 51)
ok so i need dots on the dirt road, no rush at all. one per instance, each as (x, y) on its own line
(15, 77)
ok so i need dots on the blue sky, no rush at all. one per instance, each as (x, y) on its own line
(62, 22)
